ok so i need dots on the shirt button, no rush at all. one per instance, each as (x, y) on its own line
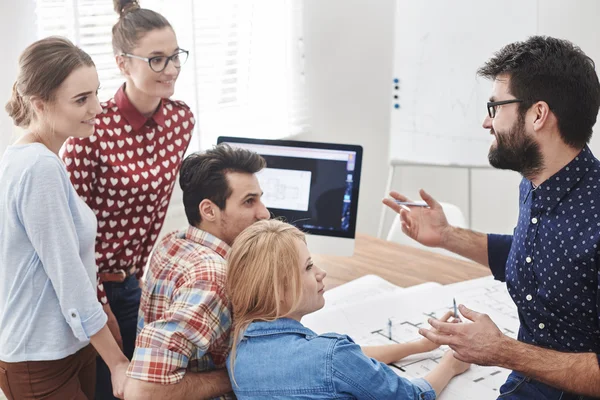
(528, 259)
(529, 297)
(73, 315)
(541, 325)
(534, 220)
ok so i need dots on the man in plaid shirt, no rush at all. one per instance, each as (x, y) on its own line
(184, 320)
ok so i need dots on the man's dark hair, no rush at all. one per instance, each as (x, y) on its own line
(203, 176)
(554, 71)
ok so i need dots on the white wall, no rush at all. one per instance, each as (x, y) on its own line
(488, 198)
(577, 21)
(348, 64)
(349, 57)
(17, 31)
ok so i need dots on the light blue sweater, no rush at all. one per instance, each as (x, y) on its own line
(48, 303)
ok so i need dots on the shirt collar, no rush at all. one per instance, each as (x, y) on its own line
(207, 240)
(281, 325)
(554, 189)
(135, 118)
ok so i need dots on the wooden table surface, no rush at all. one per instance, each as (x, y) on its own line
(401, 265)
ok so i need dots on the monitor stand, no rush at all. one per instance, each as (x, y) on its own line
(334, 246)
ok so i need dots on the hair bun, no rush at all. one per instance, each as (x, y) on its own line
(122, 7)
(18, 109)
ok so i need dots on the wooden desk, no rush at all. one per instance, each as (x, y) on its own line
(401, 265)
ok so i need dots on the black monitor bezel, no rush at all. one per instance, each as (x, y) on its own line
(351, 233)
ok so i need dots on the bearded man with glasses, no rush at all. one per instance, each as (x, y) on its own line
(544, 103)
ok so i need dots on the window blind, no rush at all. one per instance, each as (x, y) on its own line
(245, 75)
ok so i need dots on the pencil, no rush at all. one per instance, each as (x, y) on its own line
(455, 310)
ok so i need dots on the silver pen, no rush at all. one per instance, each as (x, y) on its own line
(410, 203)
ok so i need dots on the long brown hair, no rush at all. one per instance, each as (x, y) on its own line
(262, 268)
(43, 67)
(133, 23)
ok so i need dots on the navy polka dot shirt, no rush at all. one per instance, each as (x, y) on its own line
(550, 263)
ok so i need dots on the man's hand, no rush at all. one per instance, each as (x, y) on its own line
(480, 342)
(113, 325)
(428, 345)
(426, 225)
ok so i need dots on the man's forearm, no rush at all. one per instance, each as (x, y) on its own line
(467, 243)
(193, 386)
(573, 372)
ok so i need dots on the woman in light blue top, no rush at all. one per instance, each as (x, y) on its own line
(272, 283)
(49, 312)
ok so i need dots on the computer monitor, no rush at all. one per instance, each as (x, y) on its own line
(313, 186)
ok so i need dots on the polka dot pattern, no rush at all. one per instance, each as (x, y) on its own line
(552, 266)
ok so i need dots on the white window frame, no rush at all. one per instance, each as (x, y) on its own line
(261, 102)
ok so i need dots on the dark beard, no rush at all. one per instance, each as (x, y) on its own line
(517, 151)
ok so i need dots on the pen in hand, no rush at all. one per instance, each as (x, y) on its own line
(455, 309)
(410, 203)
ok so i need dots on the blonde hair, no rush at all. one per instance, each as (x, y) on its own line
(262, 267)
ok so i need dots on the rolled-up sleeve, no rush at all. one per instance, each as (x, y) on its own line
(365, 378)
(427, 391)
(53, 235)
(198, 313)
(498, 249)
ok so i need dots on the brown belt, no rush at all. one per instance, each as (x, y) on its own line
(117, 276)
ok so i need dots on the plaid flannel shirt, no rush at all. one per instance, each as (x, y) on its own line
(184, 321)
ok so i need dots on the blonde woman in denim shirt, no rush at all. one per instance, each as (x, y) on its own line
(272, 283)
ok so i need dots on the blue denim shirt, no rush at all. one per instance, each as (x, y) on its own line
(551, 263)
(285, 360)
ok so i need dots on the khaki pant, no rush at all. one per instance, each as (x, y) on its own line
(72, 378)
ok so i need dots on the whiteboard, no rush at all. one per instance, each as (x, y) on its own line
(439, 45)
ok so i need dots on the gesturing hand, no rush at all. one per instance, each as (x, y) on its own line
(428, 345)
(426, 225)
(479, 342)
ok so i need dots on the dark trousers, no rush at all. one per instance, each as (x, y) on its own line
(124, 300)
(520, 387)
(71, 378)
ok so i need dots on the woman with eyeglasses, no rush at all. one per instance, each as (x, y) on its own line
(126, 171)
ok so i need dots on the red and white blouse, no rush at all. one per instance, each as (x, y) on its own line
(126, 172)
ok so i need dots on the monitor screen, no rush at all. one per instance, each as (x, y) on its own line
(313, 186)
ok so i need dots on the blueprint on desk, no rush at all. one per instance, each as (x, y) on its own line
(365, 288)
(367, 324)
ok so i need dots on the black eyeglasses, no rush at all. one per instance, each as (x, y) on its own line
(492, 105)
(159, 63)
